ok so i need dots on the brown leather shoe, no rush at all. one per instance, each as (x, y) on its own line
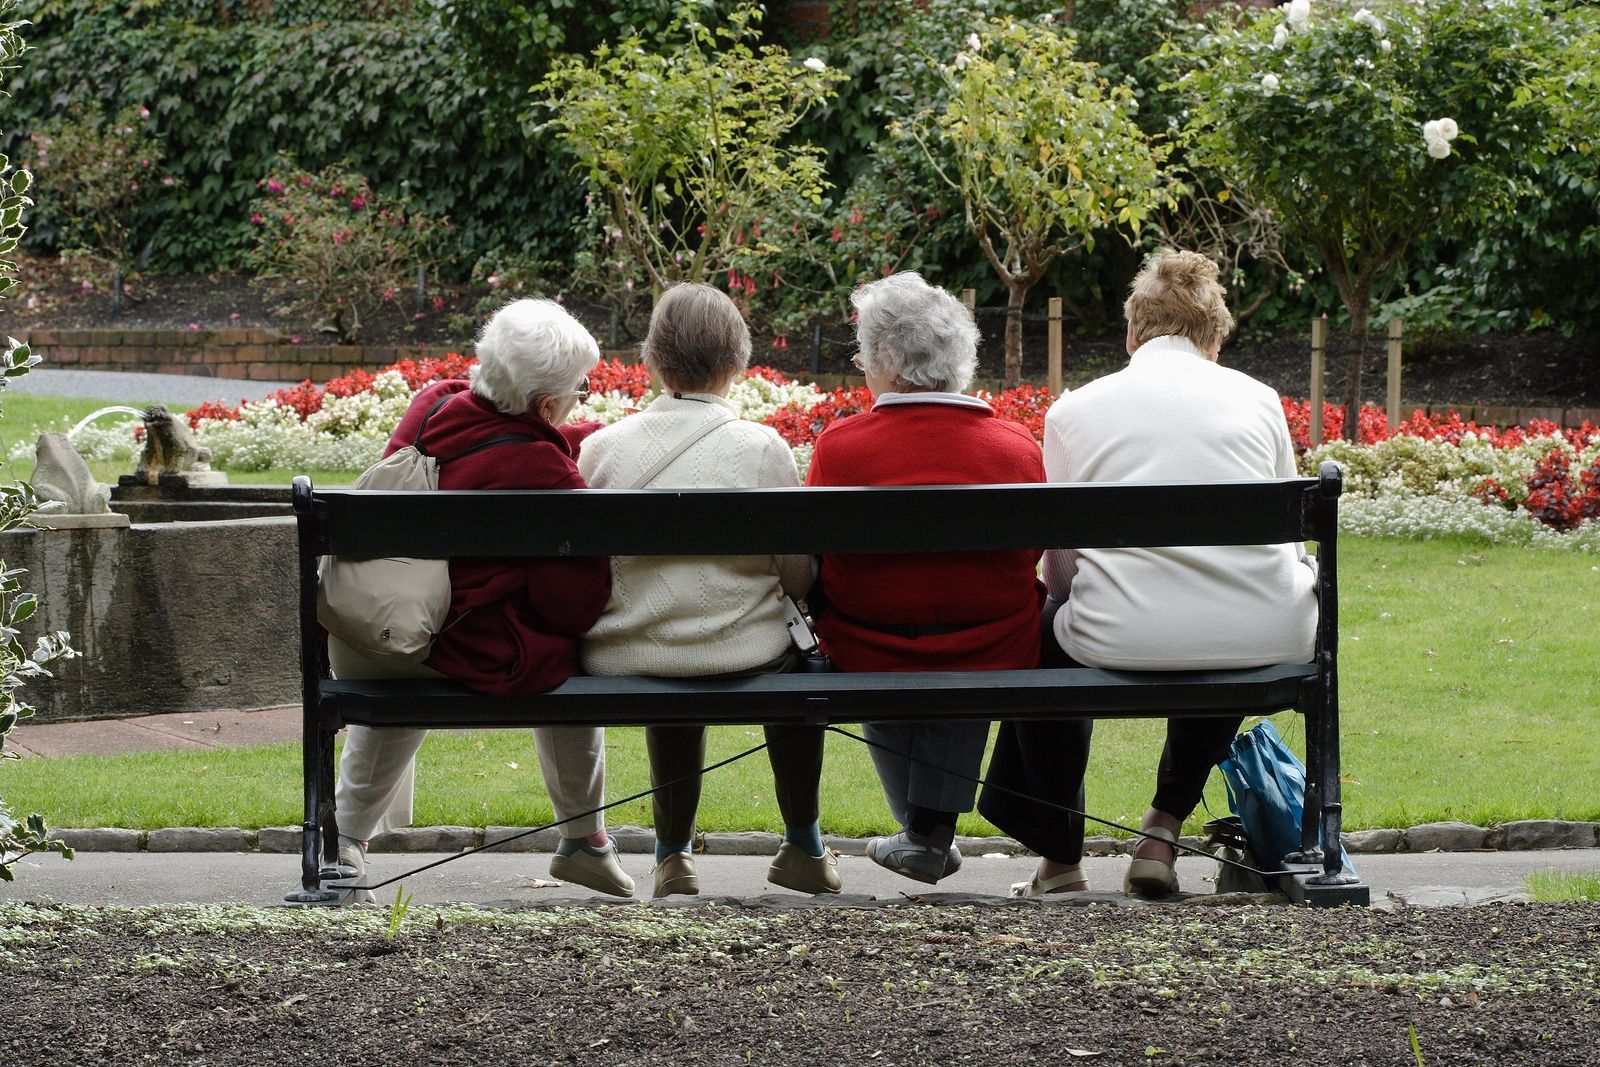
(795, 868)
(676, 875)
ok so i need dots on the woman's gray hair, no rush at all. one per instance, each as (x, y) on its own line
(915, 334)
(529, 349)
(697, 338)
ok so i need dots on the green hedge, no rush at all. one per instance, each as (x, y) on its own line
(389, 96)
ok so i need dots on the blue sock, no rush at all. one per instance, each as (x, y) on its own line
(663, 851)
(808, 837)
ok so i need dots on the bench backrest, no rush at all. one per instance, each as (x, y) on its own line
(815, 520)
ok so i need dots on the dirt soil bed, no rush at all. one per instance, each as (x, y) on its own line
(1543, 368)
(751, 983)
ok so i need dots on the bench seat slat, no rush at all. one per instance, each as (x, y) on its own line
(797, 698)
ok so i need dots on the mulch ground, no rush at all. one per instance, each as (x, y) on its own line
(1543, 368)
(732, 984)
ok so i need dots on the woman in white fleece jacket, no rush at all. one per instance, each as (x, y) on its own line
(1172, 415)
(683, 616)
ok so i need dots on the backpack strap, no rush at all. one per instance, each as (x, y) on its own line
(441, 402)
(493, 442)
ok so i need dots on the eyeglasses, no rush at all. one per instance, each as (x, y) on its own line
(582, 392)
(856, 359)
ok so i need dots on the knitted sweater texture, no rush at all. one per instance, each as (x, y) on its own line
(683, 616)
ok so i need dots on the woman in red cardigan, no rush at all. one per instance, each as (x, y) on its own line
(932, 611)
(514, 624)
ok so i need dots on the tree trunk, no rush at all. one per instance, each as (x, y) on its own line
(1360, 306)
(1018, 293)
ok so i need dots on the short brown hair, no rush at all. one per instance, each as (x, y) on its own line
(1177, 293)
(697, 337)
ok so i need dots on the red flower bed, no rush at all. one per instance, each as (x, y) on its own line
(800, 426)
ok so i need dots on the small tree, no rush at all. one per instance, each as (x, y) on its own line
(1363, 129)
(99, 174)
(688, 148)
(17, 502)
(1044, 154)
(352, 248)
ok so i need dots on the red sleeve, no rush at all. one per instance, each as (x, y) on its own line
(567, 595)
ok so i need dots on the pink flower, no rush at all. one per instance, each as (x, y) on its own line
(233, 316)
(256, 220)
(438, 303)
(357, 202)
(295, 339)
(134, 186)
(194, 327)
(144, 112)
(167, 181)
(493, 281)
(274, 186)
(88, 286)
(388, 294)
(339, 238)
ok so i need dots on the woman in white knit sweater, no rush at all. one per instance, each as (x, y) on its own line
(680, 616)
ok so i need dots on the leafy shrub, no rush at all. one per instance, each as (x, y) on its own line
(99, 177)
(687, 147)
(333, 245)
(17, 504)
(380, 86)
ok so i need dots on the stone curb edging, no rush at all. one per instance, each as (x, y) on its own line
(1523, 835)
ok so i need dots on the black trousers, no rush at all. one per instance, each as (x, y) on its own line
(1036, 762)
(676, 751)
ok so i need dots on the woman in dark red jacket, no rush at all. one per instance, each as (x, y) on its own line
(934, 611)
(514, 624)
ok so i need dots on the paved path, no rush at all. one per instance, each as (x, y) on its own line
(139, 878)
(130, 878)
(137, 389)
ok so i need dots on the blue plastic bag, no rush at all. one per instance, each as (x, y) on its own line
(1267, 789)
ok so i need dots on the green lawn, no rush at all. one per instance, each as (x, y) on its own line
(1468, 685)
(26, 416)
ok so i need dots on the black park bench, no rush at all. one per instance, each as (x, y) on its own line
(819, 520)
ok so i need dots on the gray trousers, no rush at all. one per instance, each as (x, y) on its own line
(377, 771)
(914, 782)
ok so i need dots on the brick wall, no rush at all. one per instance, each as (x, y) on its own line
(252, 355)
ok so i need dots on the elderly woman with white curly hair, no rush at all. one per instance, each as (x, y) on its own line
(945, 611)
(513, 624)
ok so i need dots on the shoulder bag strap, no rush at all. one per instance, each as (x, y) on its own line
(441, 402)
(493, 442)
(677, 450)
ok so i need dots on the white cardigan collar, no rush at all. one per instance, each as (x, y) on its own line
(1168, 346)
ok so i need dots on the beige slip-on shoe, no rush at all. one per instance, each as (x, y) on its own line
(676, 875)
(795, 868)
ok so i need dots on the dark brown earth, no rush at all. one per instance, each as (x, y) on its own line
(715, 984)
(1541, 368)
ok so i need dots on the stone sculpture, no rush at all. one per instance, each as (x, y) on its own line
(60, 474)
(171, 452)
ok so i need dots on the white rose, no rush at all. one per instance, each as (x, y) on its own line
(962, 59)
(1270, 83)
(1299, 15)
(815, 64)
(1280, 36)
(1386, 45)
(1448, 129)
(975, 45)
(1438, 148)
(1047, 18)
(1430, 131)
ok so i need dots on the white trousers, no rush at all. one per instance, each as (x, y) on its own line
(377, 771)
